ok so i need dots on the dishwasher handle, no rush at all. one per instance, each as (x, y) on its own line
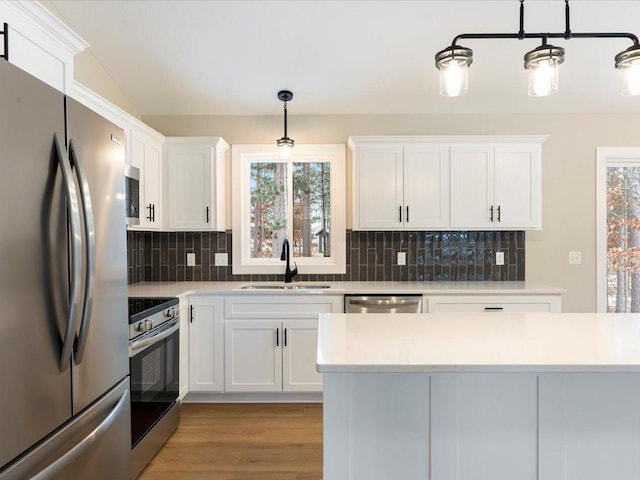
(385, 302)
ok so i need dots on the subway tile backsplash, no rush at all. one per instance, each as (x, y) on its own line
(371, 256)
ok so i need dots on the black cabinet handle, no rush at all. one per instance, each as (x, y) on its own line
(407, 213)
(277, 337)
(5, 33)
(491, 214)
(191, 313)
(498, 212)
(494, 309)
(400, 213)
(207, 214)
(150, 216)
(285, 337)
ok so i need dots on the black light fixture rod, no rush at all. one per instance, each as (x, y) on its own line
(567, 27)
(5, 34)
(285, 120)
(521, 32)
(567, 34)
(519, 36)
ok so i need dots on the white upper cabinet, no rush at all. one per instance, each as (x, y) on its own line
(40, 44)
(447, 183)
(496, 187)
(146, 155)
(400, 187)
(195, 175)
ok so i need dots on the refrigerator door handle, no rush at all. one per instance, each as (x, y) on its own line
(89, 252)
(75, 246)
(81, 447)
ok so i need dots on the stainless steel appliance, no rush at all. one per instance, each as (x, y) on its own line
(64, 405)
(383, 303)
(154, 353)
(132, 194)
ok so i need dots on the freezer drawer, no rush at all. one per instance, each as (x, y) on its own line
(95, 445)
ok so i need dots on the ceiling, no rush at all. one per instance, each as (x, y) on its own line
(184, 57)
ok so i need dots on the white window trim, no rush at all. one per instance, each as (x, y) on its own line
(242, 263)
(606, 157)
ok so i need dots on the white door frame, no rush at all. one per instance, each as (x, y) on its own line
(607, 157)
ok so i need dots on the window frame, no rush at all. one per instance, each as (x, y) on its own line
(241, 157)
(607, 157)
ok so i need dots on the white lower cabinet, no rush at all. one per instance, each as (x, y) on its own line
(271, 356)
(271, 342)
(492, 303)
(206, 371)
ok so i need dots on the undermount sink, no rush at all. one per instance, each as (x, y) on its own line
(281, 286)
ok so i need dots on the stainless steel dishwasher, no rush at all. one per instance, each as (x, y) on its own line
(383, 303)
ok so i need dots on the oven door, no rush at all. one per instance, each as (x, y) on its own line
(154, 362)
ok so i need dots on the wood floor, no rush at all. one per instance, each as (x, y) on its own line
(242, 442)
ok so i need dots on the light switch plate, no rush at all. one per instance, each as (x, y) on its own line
(499, 258)
(402, 258)
(191, 259)
(221, 259)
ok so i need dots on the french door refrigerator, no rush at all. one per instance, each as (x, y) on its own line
(64, 399)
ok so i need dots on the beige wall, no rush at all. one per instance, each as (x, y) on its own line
(568, 182)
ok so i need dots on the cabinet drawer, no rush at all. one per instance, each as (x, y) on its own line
(281, 306)
(520, 303)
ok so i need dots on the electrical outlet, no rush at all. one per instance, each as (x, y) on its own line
(575, 258)
(402, 258)
(221, 259)
(191, 259)
(499, 258)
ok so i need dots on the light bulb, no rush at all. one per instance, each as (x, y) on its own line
(285, 152)
(631, 79)
(543, 79)
(453, 79)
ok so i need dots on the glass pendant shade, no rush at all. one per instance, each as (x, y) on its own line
(628, 62)
(285, 145)
(542, 65)
(453, 64)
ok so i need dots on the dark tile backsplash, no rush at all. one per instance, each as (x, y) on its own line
(371, 256)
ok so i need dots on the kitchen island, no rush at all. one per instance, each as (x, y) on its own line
(481, 396)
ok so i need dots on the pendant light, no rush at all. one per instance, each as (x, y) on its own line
(285, 144)
(541, 63)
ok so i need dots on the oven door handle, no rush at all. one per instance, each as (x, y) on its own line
(146, 342)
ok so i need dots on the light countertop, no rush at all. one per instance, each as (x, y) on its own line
(479, 342)
(175, 289)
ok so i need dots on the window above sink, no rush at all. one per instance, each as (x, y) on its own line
(301, 198)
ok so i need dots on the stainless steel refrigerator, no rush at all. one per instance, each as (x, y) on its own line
(64, 398)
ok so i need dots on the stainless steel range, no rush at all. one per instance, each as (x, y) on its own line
(154, 339)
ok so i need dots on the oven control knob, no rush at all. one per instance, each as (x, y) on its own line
(149, 324)
(170, 313)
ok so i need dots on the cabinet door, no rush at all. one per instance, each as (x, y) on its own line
(299, 352)
(517, 186)
(190, 179)
(146, 155)
(484, 426)
(426, 187)
(472, 186)
(378, 187)
(253, 356)
(589, 426)
(205, 344)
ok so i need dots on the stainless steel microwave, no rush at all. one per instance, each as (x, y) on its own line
(132, 194)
